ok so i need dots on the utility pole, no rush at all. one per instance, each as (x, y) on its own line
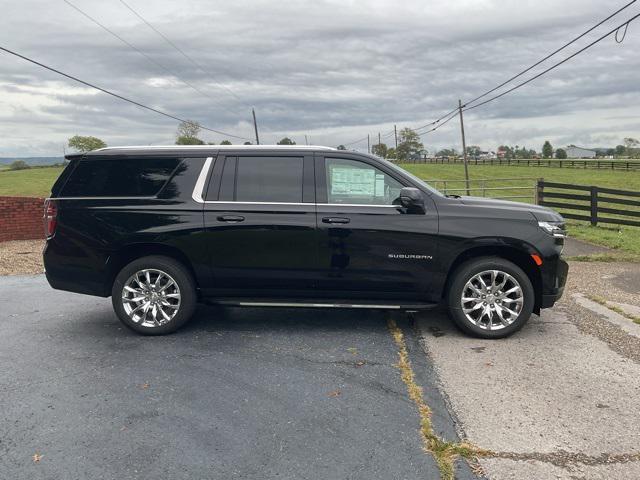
(306, 140)
(255, 126)
(464, 147)
(379, 142)
(368, 144)
(395, 132)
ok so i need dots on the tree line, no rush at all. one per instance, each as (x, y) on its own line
(409, 146)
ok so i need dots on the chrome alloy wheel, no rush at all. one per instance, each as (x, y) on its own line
(492, 300)
(151, 297)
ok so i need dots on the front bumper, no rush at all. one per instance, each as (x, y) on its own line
(554, 289)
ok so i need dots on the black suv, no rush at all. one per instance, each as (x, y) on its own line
(160, 228)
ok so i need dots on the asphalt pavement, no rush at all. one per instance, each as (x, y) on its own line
(238, 393)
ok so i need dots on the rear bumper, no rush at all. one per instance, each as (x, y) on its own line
(64, 272)
(553, 291)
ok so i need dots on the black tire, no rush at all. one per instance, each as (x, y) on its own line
(178, 273)
(468, 270)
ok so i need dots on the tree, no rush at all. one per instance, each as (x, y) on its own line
(409, 144)
(631, 145)
(391, 153)
(19, 165)
(547, 150)
(561, 153)
(225, 142)
(620, 150)
(182, 140)
(447, 152)
(85, 144)
(286, 141)
(473, 151)
(380, 149)
(341, 147)
(188, 133)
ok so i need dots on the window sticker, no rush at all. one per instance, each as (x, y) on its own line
(354, 181)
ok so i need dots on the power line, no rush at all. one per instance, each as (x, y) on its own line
(150, 59)
(453, 113)
(108, 92)
(355, 141)
(179, 50)
(552, 53)
(522, 84)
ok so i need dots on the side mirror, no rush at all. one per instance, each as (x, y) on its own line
(411, 198)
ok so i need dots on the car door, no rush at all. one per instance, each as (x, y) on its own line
(260, 223)
(368, 243)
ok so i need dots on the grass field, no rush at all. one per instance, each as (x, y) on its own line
(34, 182)
(603, 178)
(38, 181)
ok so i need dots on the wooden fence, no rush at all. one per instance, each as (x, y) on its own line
(625, 165)
(590, 203)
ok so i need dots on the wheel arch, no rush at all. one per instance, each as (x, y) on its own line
(519, 256)
(130, 252)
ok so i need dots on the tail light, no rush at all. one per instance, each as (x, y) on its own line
(50, 217)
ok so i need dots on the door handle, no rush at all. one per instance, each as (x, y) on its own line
(335, 220)
(231, 218)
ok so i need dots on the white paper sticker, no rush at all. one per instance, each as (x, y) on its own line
(354, 181)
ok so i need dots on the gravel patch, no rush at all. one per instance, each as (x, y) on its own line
(21, 257)
(618, 282)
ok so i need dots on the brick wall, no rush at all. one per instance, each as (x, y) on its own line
(21, 218)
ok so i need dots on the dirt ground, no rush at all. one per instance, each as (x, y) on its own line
(21, 257)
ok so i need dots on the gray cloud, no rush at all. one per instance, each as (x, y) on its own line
(333, 70)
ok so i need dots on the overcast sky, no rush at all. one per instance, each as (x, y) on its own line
(335, 70)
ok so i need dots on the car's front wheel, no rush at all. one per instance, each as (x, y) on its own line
(154, 295)
(490, 297)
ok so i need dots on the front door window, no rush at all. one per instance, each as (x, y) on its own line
(354, 182)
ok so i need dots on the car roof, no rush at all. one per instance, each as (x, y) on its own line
(191, 149)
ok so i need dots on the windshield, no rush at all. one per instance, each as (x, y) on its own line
(417, 180)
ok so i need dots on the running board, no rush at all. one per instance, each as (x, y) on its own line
(246, 302)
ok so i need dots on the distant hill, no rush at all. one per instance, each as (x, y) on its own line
(33, 161)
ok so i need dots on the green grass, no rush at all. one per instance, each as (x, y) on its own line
(33, 182)
(603, 178)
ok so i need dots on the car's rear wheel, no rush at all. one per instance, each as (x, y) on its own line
(490, 297)
(154, 295)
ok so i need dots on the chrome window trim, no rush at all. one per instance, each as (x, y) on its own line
(231, 202)
(198, 189)
(146, 197)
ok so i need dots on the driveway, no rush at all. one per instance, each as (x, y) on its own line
(560, 398)
(306, 394)
(238, 393)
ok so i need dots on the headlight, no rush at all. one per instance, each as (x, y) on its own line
(556, 229)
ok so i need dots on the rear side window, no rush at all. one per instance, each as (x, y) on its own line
(269, 179)
(119, 177)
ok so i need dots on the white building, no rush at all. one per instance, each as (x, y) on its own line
(577, 152)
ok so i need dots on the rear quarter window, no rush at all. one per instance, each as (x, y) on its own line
(119, 177)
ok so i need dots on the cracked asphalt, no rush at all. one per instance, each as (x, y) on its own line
(238, 393)
(557, 400)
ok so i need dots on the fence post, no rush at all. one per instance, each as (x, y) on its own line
(594, 206)
(539, 192)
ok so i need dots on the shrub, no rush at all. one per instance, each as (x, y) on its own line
(19, 165)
